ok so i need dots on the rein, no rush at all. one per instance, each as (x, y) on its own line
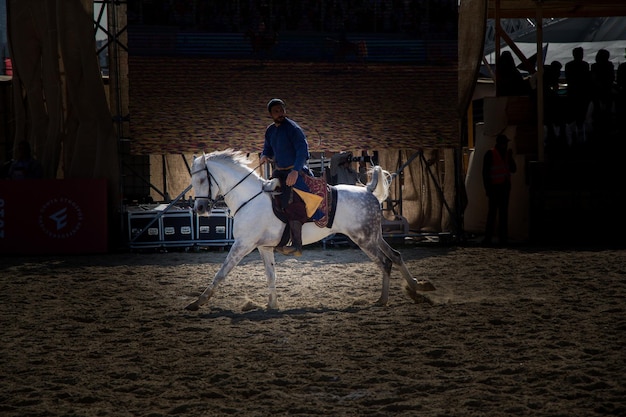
(221, 197)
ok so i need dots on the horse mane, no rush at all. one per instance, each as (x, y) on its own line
(231, 157)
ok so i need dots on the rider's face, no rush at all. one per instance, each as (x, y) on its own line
(278, 114)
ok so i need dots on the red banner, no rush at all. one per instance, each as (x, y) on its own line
(53, 216)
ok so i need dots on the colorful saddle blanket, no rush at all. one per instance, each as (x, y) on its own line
(320, 190)
(319, 187)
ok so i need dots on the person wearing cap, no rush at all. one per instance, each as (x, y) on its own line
(287, 147)
(498, 165)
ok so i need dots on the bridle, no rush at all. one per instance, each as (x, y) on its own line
(220, 197)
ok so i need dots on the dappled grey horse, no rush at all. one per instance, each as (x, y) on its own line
(226, 175)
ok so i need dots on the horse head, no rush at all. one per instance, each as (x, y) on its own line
(215, 175)
(201, 184)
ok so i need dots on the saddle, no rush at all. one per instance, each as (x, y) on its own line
(327, 206)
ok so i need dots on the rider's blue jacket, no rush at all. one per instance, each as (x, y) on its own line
(286, 145)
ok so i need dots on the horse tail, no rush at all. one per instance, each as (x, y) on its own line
(379, 184)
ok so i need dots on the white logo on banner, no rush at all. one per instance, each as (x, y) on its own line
(60, 218)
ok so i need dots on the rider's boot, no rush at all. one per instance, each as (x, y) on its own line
(295, 248)
(285, 250)
(296, 237)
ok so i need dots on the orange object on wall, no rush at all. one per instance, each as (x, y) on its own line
(8, 66)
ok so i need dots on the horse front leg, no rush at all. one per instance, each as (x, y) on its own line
(235, 255)
(267, 254)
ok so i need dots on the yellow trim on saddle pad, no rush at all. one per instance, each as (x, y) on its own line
(311, 201)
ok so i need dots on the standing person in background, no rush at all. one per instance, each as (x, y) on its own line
(620, 100)
(498, 165)
(602, 78)
(509, 80)
(578, 79)
(24, 166)
(553, 111)
(286, 145)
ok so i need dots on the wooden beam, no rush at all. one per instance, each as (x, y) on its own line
(519, 9)
(529, 67)
(540, 103)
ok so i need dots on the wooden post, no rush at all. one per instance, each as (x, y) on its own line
(498, 34)
(540, 104)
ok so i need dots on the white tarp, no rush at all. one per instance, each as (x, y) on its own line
(562, 52)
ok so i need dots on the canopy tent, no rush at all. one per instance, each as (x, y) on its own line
(472, 27)
(473, 15)
(584, 186)
(560, 37)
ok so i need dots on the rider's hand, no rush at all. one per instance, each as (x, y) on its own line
(291, 178)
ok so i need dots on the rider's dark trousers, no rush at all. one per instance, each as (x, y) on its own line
(291, 203)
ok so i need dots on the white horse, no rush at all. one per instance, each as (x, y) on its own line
(226, 175)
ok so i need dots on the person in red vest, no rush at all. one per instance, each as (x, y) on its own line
(498, 165)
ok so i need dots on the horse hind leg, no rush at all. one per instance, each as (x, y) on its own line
(202, 299)
(385, 266)
(384, 256)
(413, 285)
(383, 262)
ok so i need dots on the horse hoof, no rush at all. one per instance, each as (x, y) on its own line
(424, 285)
(416, 297)
(192, 307)
(380, 302)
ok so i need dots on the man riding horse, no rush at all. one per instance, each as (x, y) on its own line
(286, 145)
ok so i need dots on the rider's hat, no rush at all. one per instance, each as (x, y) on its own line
(273, 102)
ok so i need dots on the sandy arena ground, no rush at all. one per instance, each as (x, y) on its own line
(509, 332)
